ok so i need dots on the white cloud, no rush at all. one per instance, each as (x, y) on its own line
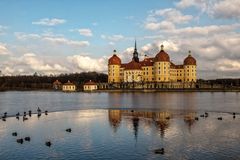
(204, 30)
(61, 40)
(111, 43)
(215, 8)
(227, 9)
(228, 65)
(54, 39)
(116, 37)
(86, 63)
(173, 15)
(49, 22)
(2, 29)
(164, 25)
(23, 36)
(3, 49)
(29, 63)
(85, 32)
(165, 19)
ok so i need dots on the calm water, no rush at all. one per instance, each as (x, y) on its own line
(121, 125)
(13, 102)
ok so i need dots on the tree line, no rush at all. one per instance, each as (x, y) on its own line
(38, 82)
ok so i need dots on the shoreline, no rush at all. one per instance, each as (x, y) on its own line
(136, 90)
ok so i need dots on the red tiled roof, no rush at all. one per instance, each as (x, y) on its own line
(68, 83)
(57, 82)
(147, 62)
(190, 60)
(90, 83)
(123, 65)
(174, 66)
(133, 66)
(114, 60)
(162, 56)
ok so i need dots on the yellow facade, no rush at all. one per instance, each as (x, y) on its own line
(69, 88)
(89, 87)
(162, 71)
(148, 73)
(156, 69)
(132, 75)
(114, 73)
(190, 73)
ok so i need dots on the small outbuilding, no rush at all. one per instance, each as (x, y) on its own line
(57, 85)
(69, 87)
(90, 86)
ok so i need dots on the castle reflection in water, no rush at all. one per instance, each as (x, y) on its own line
(160, 119)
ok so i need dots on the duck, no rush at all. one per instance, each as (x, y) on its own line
(46, 112)
(3, 119)
(220, 118)
(30, 113)
(206, 114)
(14, 134)
(39, 110)
(48, 143)
(234, 113)
(159, 151)
(20, 140)
(25, 118)
(69, 130)
(27, 139)
(234, 117)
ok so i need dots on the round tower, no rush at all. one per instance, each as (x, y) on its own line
(162, 66)
(114, 64)
(190, 66)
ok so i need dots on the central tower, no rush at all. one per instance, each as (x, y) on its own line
(135, 53)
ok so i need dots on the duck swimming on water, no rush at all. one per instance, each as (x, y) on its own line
(39, 110)
(14, 134)
(20, 140)
(48, 143)
(27, 139)
(159, 151)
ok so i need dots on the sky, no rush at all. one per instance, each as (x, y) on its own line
(62, 36)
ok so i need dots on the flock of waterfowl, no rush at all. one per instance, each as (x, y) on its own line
(205, 115)
(49, 143)
(24, 117)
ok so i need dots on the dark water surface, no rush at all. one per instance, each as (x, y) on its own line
(13, 102)
(136, 125)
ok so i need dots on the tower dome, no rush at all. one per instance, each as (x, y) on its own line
(189, 60)
(114, 60)
(162, 56)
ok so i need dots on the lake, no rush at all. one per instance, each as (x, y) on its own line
(121, 125)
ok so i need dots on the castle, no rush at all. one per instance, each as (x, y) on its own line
(151, 69)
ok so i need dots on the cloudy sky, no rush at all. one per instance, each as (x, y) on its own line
(53, 37)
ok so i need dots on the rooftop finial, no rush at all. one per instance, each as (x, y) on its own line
(162, 46)
(189, 52)
(135, 45)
